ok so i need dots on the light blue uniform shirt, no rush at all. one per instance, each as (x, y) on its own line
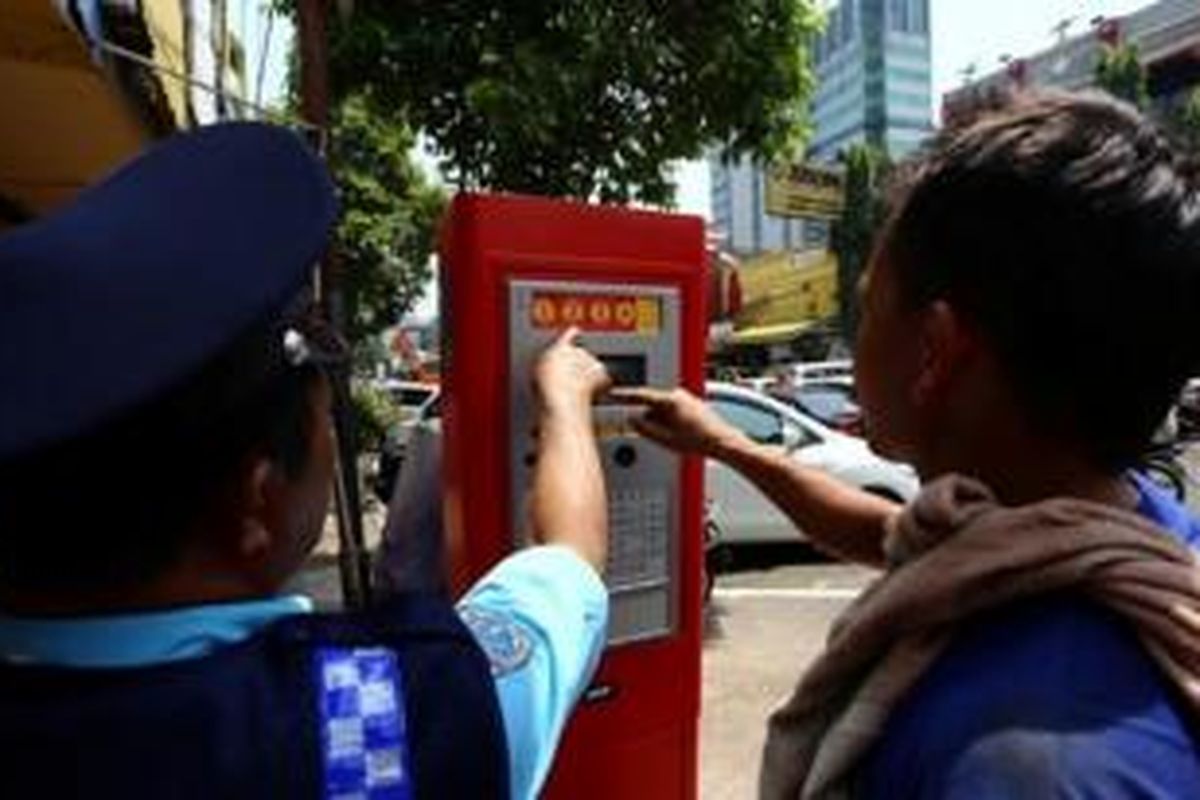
(540, 616)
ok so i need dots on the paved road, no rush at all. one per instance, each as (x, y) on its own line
(766, 624)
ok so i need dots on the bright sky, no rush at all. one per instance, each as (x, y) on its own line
(964, 32)
(980, 31)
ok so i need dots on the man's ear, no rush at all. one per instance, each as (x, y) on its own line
(946, 345)
(261, 511)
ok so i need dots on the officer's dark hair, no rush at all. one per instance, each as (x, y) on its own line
(1066, 230)
(113, 508)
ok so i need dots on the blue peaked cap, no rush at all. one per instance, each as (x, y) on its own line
(150, 273)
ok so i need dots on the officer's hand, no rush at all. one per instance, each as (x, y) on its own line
(567, 377)
(681, 421)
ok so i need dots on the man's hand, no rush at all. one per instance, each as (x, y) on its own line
(567, 377)
(567, 500)
(841, 519)
(681, 421)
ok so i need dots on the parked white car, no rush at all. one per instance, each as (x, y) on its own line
(411, 397)
(742, 513)
(821, 370)
(801, 373)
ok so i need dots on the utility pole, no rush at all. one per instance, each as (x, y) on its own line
(312, 19)
(219, 42)
(353, 559)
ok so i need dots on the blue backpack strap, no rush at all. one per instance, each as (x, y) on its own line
(407, 705)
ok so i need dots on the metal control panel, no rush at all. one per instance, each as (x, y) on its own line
(635, 331)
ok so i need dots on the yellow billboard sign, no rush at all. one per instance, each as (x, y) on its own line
(786, 292)
(805, 190)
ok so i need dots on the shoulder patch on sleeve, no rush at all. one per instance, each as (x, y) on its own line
(507, 645)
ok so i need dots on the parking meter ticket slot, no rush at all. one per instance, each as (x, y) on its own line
(638, 616)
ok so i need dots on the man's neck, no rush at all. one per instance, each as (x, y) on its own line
(1024, 470)
(170, 591)
(1021, 485)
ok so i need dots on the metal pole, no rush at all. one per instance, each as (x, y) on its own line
(353, 558)
(220, 44)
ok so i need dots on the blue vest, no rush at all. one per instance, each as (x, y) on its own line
(392, 703)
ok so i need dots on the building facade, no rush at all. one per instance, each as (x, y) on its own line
(1166, 34)
(88, 83)
(874, 85)
(738, 194)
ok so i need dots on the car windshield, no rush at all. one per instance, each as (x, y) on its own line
(758, 423)
(826, 402)
(412, 396)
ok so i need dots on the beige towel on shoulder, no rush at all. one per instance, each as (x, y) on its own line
(955, 552)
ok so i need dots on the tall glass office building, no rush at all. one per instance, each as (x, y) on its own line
(874, 81)
(874, 85)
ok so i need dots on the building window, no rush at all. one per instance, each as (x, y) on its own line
(920, 17)
(908, 16)
(900, 98)
(849, 20)
(908, 75)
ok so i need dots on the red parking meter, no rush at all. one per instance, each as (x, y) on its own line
(516, 271)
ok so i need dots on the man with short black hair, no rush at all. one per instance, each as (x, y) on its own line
(166, 459)
(1028, 318)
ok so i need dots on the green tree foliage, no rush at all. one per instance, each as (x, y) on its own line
(589, 98)
(1186, 122)
(853, 234)
(1120, 73)
(375, 413)
(389, 215)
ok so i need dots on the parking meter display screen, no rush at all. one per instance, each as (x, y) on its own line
(625, 370)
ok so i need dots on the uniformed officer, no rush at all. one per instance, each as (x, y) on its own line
(165, 463)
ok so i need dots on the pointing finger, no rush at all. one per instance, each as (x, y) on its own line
(641, 395)
(567, 337)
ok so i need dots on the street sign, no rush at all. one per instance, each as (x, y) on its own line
(805, 190)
